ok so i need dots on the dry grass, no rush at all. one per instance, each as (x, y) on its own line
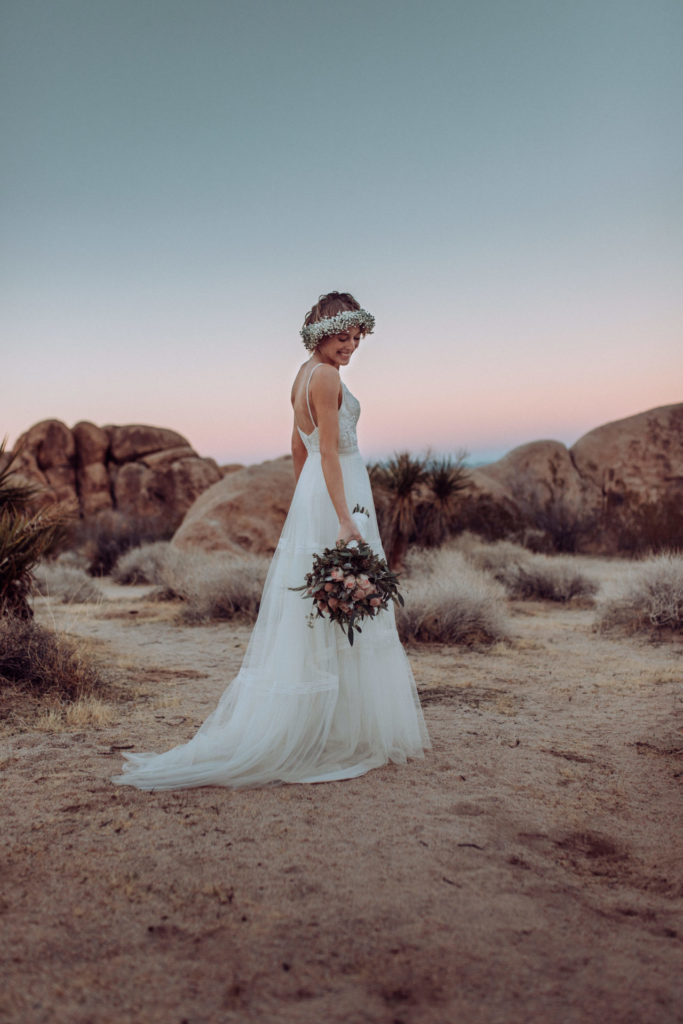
(649, 600)
(104, 538)
(449, 601)
(528, 576)
(212, 587)
(65, 583)
(491, 556)
(142, 564)
(547, 578)
(84, 713)
(36, 659)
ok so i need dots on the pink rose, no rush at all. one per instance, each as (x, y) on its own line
(375, 602)
(350, 582)
(336, 573)
(346, 608)
(329, 587)
(358, 595)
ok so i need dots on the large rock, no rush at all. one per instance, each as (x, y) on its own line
(639, 458)
(92, 478)
(133, 442)
(246, 509)
(169, 489)
(48, 458)
(137, 470)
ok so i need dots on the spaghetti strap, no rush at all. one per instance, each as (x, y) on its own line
(315, 425)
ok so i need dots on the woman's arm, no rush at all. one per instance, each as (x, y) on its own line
(324, 393)
(299, 452)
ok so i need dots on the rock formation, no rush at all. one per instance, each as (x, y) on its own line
(137, 470)
(246, 509)
(619, 487)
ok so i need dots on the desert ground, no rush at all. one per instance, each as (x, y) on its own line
(527, 870)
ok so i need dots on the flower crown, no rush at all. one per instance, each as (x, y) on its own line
(313, 334)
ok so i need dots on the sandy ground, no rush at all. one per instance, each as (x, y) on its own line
(526, 871)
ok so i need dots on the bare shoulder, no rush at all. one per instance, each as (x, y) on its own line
(326, 380)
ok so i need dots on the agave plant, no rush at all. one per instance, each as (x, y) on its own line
(25, 536)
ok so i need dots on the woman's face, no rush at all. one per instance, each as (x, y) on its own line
(337, 349)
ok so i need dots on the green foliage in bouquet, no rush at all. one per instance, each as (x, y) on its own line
(348, 584)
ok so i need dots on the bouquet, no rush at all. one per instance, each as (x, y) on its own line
(349, 583)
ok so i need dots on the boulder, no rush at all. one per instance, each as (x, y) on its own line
(48, 458)
(92, 478)
(245, 509)
(167, 490)
(137, 470)
(135, 441)
(639, 458)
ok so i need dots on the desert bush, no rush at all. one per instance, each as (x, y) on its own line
(447, 478)
(546, 578)
(555, 523)
(494, 556)
(110, 534)
(448, 601)
(639, 528)
(71, 560)
(217, 586)
(398, 487)
(142, 564)
(525, 575)
(65, 584)
(37, 659)
(649, 599)
(25, 537)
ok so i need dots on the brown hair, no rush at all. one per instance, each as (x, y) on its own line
(330, 305)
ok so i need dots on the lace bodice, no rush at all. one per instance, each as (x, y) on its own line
(349, 412)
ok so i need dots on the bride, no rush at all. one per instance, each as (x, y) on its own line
(306, 706)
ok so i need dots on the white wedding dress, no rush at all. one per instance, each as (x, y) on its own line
(306, 706)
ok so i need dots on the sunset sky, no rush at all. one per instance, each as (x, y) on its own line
(499, 181)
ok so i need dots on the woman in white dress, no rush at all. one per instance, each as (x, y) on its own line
(306, 706)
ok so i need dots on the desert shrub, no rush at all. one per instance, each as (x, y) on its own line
(483, 515)
(649, 599)
(494, 557)
(525, 575)
(447, 478)
(71, 559)
(108, 535)
(217, 586)
(25, 537)
(638, 528)
(557, 524)
(142, 564)
(37, 659)
(65, 584)
(398, 486)
(546, 578)
(448, 601)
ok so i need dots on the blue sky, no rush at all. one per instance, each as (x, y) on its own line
(499, 182)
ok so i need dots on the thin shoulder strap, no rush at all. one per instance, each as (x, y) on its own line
(308, 403)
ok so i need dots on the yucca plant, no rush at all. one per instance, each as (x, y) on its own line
(398, 484)
(25, 536)
(446, 478)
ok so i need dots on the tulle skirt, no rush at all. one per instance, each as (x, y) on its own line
(306, 706)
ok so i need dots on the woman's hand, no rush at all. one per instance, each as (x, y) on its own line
(348, 531)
